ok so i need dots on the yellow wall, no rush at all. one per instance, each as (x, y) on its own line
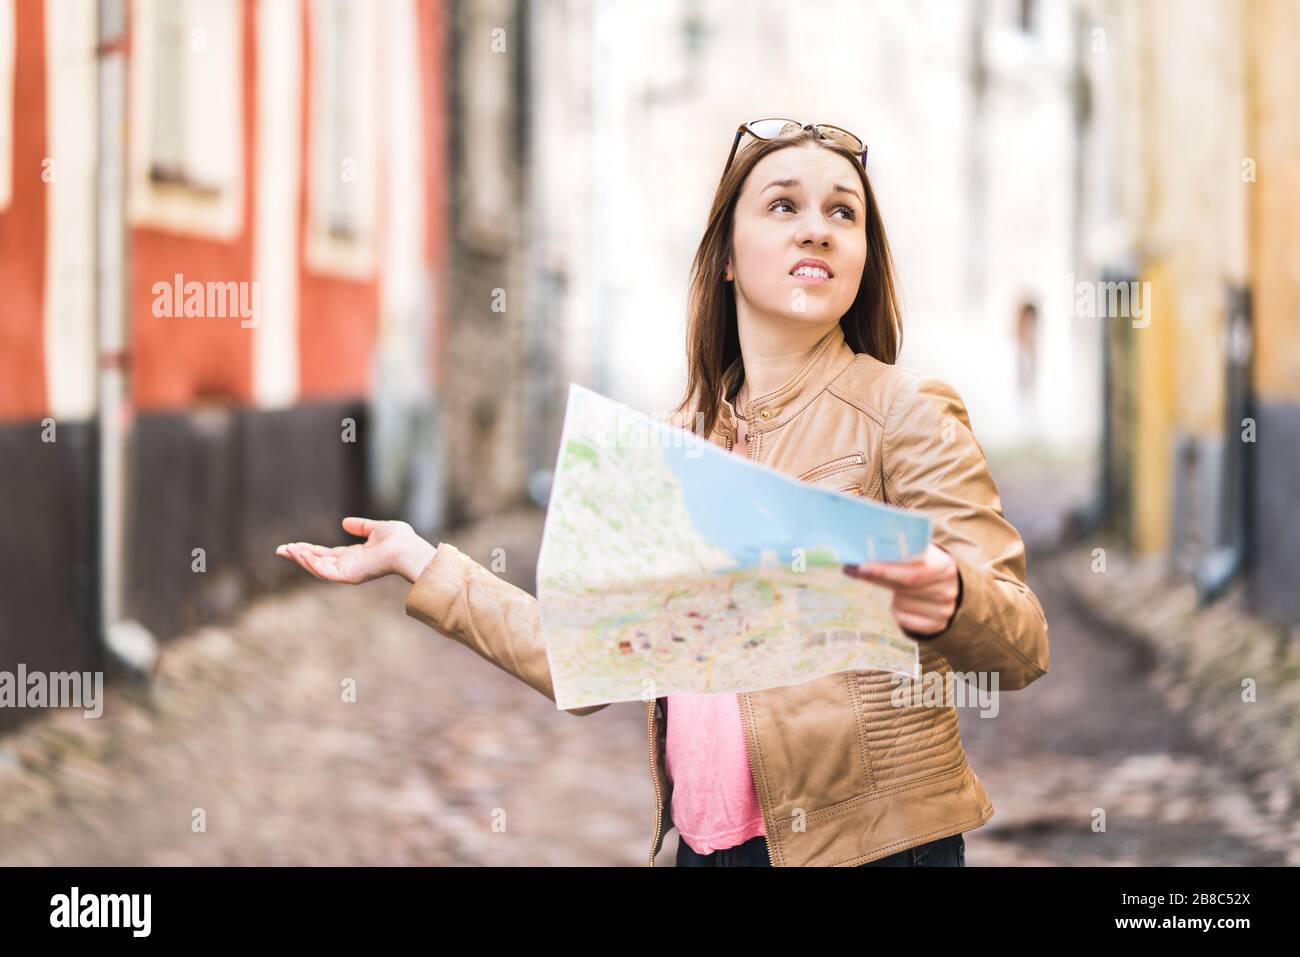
(1273, 78)
(1154, 366)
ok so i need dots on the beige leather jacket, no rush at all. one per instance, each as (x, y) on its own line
(842, 774)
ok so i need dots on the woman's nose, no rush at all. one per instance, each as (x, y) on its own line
(814, 231)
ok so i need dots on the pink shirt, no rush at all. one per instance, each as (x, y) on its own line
(714, 804)
(713, 801)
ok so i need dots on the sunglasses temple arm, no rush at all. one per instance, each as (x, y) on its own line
(732, 154)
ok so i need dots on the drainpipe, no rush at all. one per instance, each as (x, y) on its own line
(1092, 515)
(1222, 565)
(1102, 510)
(130, 643)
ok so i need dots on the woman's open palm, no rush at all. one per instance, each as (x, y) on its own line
(378, 556)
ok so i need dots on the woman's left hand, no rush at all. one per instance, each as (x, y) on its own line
(390, 547)
(926, 589)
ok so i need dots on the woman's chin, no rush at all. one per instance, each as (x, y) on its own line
(810, 317)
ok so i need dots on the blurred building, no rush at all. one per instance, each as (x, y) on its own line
(502, 396)
(972, 114)
(1192, 237)
(267, 262)
(222, 239)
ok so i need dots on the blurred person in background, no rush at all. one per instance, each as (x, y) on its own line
(1027, 350)
(793, 334)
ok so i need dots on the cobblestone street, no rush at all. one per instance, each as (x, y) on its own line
(1092, 733)
(1023, 272)
(248, 724)
(443, 759)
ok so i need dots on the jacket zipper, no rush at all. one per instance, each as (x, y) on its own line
(852, 460)
(652, 730)
(767, 828)
(749, 447)
(750, 453)
(654, 775)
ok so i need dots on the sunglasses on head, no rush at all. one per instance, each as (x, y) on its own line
(771, 128)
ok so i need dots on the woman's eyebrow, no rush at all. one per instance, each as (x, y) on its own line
(791, 183)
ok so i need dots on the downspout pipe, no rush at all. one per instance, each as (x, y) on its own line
(1226, 562)
(129, 643)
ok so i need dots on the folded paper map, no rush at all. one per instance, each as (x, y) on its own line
(671, 565)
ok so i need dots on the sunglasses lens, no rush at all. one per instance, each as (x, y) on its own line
(843, 137)
(770, 128)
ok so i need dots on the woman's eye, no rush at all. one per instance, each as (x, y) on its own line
(785, 202)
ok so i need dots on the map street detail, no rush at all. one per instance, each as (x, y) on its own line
(670, 565)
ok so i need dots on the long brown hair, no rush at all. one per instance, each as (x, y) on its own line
(873, 323)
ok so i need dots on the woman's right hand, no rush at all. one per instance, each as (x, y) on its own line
(390, 548)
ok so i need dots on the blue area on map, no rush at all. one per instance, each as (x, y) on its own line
(744, 508)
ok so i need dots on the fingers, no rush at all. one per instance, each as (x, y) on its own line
(893, 574)
(320, 551)
(941, 594)
(919, 624)
(324, 567)
(361, 527)
(294, 554)
(934, 608)
(924, 589)
(308, 548)
(934, 565)
(924, 613)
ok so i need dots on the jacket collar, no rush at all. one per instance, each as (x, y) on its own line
(831, 356)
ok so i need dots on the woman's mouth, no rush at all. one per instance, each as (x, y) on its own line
(813, 274)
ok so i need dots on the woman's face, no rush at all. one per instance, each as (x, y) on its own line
(798, 203)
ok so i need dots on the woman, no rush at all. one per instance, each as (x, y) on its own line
(793, 333)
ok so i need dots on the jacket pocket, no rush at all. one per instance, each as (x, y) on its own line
(909, 729)
(854, 460)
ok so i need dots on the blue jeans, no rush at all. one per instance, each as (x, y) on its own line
(945, 852)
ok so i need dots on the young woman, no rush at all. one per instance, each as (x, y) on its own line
(794, 328)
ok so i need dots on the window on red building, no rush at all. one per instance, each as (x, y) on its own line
(7, 41)
(187, 80)
(344, 105)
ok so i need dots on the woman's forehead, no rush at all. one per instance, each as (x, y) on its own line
(814, 168)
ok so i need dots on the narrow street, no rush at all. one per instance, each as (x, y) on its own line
(269, 263)
(1092, 733)
(443, 759)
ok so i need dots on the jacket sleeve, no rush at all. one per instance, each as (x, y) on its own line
(933, 462)
(459, 598)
